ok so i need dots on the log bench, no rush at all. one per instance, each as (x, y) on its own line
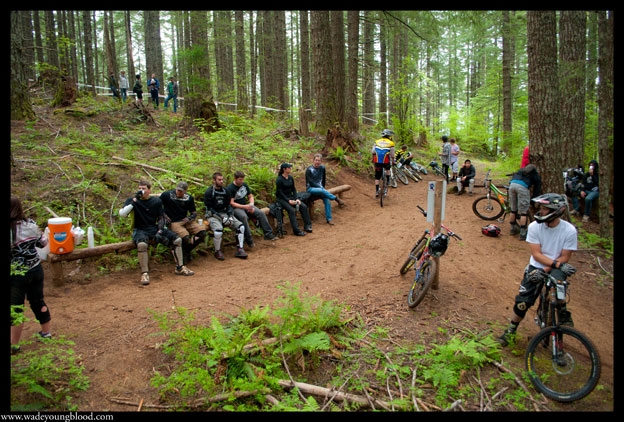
(56, 260)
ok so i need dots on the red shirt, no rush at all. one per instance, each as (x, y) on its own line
(525, 157)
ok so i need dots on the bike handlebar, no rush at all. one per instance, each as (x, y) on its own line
(449, 231)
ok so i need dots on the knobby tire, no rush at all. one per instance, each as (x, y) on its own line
(490, 205)
(413, 256)
(422, 282)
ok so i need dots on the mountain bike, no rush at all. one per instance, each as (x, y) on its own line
(419, 167)
(495, 202)
(562, 362)
(398, 173)
(436, 168)
(409, 171)
(420, 257)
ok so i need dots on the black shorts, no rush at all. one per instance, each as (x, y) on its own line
(529, 291)
(147, 235)
(378, 167)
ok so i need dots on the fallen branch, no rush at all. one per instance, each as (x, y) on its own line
(520, 383)
(195, 179)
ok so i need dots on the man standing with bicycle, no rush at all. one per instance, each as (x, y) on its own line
(520, 196)
(383, 157)
(551, 241)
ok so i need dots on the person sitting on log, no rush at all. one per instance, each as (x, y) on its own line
(180, 214)
(149, 225)
(315, 185)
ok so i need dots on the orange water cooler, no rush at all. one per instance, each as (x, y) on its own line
(61, 239)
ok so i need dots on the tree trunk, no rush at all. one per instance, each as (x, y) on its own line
(507, 100)
(88, 50)
(543, 89)
(153, 48)
(21, 108)
(368, 88)
(572, 79)
(131, 75)
(242, 99)
(353, 23)
(605, 119)
(306, 100)
(51, 46)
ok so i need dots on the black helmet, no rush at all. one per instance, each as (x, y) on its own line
(556, 203)
(438, 245)
(387, 133)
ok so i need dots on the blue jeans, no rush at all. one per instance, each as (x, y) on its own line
(326, 196)
(175, 102)
(589, 199)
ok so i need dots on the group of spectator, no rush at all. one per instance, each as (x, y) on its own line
(171, 218)
(153, 86)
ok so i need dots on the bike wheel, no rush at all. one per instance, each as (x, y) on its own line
(382, 188)
(422, 282)
(413, 174)
(487, 208)
(568, 374)
(414, 255)
(400, 174)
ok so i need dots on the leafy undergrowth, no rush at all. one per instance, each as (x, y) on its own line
(247, 363)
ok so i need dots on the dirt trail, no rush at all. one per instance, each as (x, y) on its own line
(356, 262)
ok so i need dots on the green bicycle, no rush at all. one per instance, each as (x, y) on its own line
(494, 204)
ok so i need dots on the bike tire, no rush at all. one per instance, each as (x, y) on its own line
(413, 256)
(382, 188)
(571, 377)
(400, 174)
(413, 174)
(422, 282)
(487, 208)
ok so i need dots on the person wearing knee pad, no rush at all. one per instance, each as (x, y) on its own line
(551, 242)
(219, 214)
(180, 215)
(466, 178)
(520, 195)
(149, 225)
(26, 278)
(243, 207)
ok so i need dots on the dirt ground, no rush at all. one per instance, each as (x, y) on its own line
(356, 262)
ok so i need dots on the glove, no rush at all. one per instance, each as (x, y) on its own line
(567, 269)
(226, 219)
(536, 275)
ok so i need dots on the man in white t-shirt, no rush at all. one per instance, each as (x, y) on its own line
(551, 242)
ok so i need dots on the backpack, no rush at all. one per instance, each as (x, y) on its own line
(491, 230)
(275, 209)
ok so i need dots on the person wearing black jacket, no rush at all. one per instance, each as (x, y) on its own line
(589, 191)
(220, 214)
(149, 225)
(286, 195)
(466, 177)
(180, 214)
(520, 197)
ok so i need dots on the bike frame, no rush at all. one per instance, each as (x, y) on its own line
(501, 197)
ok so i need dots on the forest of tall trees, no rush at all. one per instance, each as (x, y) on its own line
(492, 79)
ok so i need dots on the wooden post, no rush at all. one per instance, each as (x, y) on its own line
(437, 220)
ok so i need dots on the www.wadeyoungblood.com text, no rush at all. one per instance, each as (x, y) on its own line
(71, 416)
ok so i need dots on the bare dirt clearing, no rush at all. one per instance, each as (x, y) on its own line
(355, 262)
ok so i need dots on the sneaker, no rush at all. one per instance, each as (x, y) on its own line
(585, 218)
(144, 279)
(376, 194)
(250, 244)
(219, 255)
(331, 223)
(270, 236)
(574, 212)
(507, 337)
(300, 233)
(308, 229)
(183, 271)
(523, 233)
(15, 349)
(341, 203)
(515, 229)
(44, 335)
(240, 253)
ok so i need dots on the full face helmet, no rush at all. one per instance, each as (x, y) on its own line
(554, 202)
(387, 133)
(438, 245)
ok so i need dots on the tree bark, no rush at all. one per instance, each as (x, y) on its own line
(21, 108)
(544, 109)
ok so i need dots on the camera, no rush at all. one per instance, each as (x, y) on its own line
(139, 194)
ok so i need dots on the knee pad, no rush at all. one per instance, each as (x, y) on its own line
(178, 241)
(142, 246)
(41, 311)
(520, 309)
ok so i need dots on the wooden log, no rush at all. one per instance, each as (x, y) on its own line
(90, 252)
